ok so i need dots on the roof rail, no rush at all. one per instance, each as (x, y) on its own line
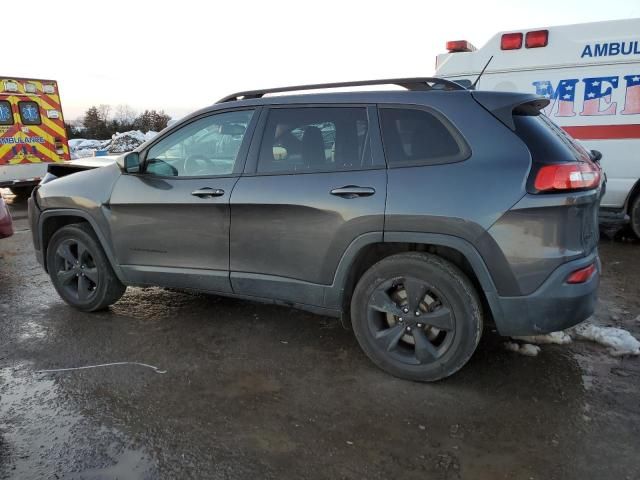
(415, 84)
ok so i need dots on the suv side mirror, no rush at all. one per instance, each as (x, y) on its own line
(130, 163)
(596, 156)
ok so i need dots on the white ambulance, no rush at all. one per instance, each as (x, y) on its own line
(591, 74)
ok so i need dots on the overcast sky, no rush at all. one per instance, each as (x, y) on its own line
(183, 55)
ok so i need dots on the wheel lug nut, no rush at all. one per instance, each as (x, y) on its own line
(405, 310)
(417, 313)
(408, 329)
(401, 319)
(419, 325)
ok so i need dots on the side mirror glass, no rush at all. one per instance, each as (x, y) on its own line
(132, 162)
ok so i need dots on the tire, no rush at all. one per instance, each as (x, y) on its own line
(22, 192)
(449, 320)
(80, 271)
(634, 214)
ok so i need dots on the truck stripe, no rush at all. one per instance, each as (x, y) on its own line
(603, 132)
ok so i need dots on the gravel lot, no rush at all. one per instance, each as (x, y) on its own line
(259, 391)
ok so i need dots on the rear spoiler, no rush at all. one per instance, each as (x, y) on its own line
(504, 105)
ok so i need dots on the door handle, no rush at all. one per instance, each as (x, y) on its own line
(208, 192)
(352, 191)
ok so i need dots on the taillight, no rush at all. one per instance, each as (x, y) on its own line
(567, 176)
(511, 41)
(59, 146)
(582, 275)
(536, 39)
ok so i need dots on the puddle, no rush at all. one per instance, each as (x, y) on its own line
(43, 436)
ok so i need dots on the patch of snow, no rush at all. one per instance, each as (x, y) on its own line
(558, 338)
(128, 141)
(149, 135)
(619, 341)
(522, 348)
(83, 153)
(74, 142)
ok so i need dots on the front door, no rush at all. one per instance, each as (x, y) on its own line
(315, 187)
(170, 223)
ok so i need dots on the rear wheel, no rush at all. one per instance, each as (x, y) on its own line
(80, 271)
(416, 316)
(634, 213)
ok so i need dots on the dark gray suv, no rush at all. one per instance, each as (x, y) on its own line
(417, 216)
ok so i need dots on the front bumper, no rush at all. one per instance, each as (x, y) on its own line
(554, 306)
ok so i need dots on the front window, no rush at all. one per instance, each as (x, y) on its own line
(207, 147)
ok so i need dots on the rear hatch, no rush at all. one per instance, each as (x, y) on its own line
(556, 221)
(554, 155)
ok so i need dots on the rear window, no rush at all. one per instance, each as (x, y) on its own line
(419, 137)
(29, 113)
(6, 115)
(547, 142)
(315, 139)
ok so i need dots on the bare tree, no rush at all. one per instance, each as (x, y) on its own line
(125, 116)
(104, 111)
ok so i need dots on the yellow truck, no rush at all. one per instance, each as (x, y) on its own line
(32, 132)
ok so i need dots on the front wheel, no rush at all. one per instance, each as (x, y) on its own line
(417, 316)
(80, 271)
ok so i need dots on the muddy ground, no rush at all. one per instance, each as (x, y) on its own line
(255, 391)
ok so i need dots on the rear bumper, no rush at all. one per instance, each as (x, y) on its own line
(555, 305)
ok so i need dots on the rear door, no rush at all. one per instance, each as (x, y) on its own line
(315, 181)
(170, 223)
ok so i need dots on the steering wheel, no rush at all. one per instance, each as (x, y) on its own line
(195, 165)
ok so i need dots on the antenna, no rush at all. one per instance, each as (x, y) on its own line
(473, 85)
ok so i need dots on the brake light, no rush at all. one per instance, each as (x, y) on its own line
(511, 41)
(536, 39)
(567, 176)
(582, 275)
(459, 46)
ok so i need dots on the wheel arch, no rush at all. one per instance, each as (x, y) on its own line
(51, 221)
(631, 196)
(371, 248)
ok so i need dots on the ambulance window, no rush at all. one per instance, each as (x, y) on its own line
(6, 114)
(413, 136)
(29, 113)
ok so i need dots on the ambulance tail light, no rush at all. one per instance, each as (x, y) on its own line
(536, 39)
(59, 146)
(511, 41)
(454, 46)
(567, 176)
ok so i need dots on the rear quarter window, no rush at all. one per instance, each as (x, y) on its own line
(416, 136)
(547, 142)
(6, 113)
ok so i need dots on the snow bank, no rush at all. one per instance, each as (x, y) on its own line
(522, 348)
(127, 141)
(119, 143)
(619, 341)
